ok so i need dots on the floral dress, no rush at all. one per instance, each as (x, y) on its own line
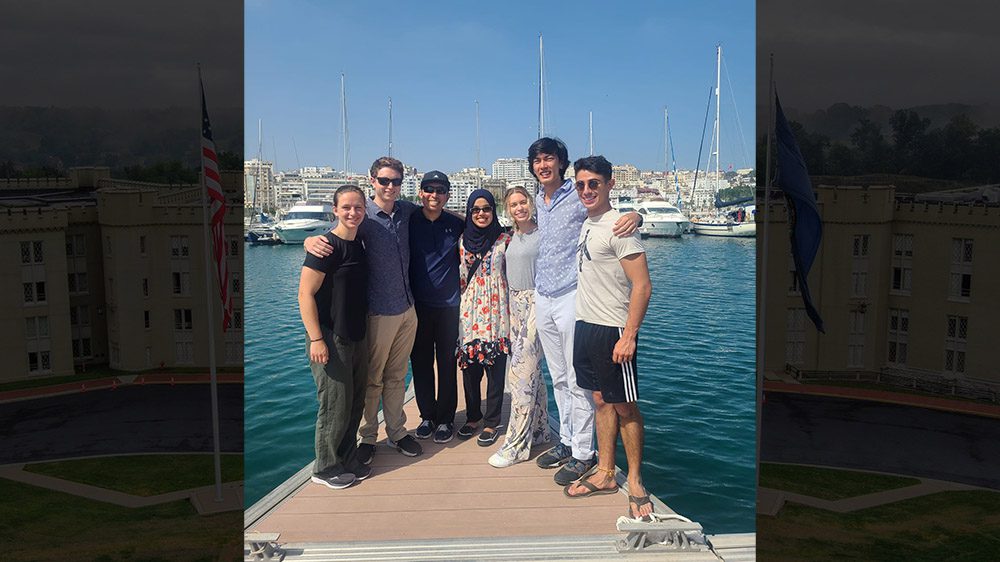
(484, 326)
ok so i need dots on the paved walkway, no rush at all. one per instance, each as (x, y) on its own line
(901, 398)
(112, 383)
(770, 501)
(203, 498)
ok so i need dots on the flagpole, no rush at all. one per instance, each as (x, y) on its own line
(762, 309)
(208, 313)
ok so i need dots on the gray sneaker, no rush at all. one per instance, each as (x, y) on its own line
(407, 445)
(573, 470)
(555, 457)
(338, 482)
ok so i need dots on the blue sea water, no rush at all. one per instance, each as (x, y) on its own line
(695, 365)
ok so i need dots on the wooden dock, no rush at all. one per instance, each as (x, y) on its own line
(449, 503)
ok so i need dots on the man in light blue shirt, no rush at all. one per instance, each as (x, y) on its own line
(560, 218)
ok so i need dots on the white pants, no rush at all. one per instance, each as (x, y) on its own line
(556, 321)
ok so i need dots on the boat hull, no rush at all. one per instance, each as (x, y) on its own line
(662, 229)
(730, 229)
(295, 232)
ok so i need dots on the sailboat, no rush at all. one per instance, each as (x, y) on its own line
(734, 218)
(660, 218)
(260, 228)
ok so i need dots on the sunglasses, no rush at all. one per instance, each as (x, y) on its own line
(440, 190)
(486, 209)
(384, 182)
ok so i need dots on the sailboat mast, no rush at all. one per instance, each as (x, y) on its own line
(673, 158)
(343, 121)
(718, 74)
(477, 135)
(260, 166)
(591, 133)
(541, 88)
(390, 127)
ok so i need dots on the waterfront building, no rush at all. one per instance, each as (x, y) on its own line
(112, 272)
(903, 283)
(258, 180)
(511, 169)
(626, 176)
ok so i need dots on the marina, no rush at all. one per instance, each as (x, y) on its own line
(696, 395)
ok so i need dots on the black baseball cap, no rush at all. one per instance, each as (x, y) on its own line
(435, 176)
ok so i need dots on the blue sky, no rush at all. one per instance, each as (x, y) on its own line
(624, 61)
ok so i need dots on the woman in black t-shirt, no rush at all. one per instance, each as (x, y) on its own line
(333, 301)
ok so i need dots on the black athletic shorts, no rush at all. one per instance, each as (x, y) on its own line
(593, 348)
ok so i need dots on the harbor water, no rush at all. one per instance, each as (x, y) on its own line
(695, 372)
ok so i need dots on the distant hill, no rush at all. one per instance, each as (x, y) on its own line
(60, 138)
(839, 120)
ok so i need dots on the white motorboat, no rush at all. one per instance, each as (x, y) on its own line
(661, 219)
(303, 220)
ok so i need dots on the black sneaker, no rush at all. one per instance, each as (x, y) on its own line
(366, 452)
(468, 430)
(338, 482)
(444, 433)
(425, 429)
(407, 445)
(487, 438)
(555, 457)
(361, 471)
(573, 470)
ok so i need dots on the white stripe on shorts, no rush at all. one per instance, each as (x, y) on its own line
(628, 377)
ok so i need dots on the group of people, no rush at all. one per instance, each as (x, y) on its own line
(568, 282)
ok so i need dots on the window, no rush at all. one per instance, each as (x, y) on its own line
(237, 284)
(795, 336)
(856, 339)
(81, 348)
(79, 315)
(29, 292)
(76, 245)
(233, 244)
(960, 280)
(902, 263)
(145, 287)
(956, 336)
(142, 245)
(39, 291)
(179, 247)
(36, 327)
(181, 282)
(145, 319)
(31, 252)
(77, 282)
(899, 329)
(237, 319)
(182, 319)
(859, 265)
(793, 279)
(34, 292)
(39, 361)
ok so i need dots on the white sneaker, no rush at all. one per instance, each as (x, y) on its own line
(498, 461)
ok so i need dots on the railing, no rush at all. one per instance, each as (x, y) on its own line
(910, 379)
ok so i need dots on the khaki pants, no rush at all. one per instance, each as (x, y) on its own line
(390, 340)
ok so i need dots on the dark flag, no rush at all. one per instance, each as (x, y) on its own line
(805, 226)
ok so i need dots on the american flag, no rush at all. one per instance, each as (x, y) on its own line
(217, 209)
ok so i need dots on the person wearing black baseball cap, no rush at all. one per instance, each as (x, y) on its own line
(434, 236)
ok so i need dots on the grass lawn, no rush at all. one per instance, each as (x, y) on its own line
(944, 526)
(828, 483)
(144, 475)
(40, 524)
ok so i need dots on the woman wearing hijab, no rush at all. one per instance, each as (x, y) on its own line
(485, 324)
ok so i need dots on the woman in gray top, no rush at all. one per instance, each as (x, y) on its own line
(529, 420)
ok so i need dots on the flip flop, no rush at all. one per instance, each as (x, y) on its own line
(639, 501)
(591, 490)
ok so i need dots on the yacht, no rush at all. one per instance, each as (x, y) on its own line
(660, 218)
(305, 219)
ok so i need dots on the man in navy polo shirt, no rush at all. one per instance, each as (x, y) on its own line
(434, 236)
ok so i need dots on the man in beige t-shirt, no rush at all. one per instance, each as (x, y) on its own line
(613, 291)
